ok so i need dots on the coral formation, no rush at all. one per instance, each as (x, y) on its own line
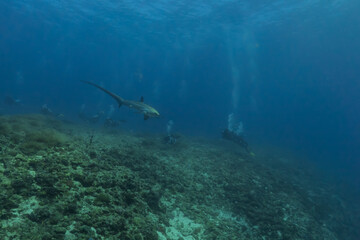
(60, 183)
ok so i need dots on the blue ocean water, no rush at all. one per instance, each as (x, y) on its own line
(288, 70)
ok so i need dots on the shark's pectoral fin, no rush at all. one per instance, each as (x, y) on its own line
(146, 117)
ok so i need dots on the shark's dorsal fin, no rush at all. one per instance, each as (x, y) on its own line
(142, 99)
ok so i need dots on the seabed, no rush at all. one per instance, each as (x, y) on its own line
(66, 181)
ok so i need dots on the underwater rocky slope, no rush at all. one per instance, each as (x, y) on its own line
(64, 181)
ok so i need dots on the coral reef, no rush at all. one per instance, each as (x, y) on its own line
(59, 182)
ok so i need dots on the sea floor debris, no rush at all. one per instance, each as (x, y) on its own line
(60, 182)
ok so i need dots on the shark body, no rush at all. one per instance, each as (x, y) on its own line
(140, 106)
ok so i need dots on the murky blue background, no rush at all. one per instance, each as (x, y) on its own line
(289, 70)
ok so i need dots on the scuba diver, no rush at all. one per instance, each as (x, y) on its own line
(10, 101)
(236, 138)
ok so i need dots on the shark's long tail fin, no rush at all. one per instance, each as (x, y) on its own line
(119, 99)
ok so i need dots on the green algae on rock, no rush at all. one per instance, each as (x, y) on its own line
(35, 141)
(126, 186)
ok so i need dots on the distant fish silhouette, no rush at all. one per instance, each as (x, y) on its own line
(140, 106)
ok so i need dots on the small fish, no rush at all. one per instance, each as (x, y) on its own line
(140, 106)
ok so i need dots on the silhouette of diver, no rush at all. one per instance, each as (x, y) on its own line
(231, 136)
